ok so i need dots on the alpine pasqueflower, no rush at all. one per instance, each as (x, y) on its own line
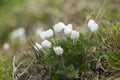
(59, 27)
(58, 50)
(46, 43)
(92, 25)
(68, 29)
(74, 35)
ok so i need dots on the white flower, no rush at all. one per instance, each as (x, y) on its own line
(59, 27)
(46, 34)
(46, 43)
(58, 50)
(43, 35)
(18, 33)
(74, 35)
(49, 33)
(6, 46)
(68, 29)
(37, 46)
(92, 25)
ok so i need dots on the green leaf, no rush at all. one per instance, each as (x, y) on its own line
(73, 74)
(114, 59)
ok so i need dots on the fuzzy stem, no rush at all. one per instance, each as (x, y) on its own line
(74, 41)
(90, 37)
(52, 39)
(63, 62)
(44, 51)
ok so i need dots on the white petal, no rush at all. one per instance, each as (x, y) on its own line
(43, 35)
(91, 23)
(94, 28)
(74, 35)
(67, 31)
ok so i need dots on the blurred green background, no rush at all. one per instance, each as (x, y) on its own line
(33, 14)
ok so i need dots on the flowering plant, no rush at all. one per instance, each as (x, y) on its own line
(66, 58)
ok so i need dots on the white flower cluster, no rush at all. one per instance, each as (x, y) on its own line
(92, 25)
(68, 31)
(18, 33)
(59, 27)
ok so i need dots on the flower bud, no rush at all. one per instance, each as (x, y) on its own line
(49, 33)
(58, 50)
(46, 43)
(59, 27)
(92, 25)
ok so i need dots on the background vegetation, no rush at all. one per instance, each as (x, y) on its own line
(33, 14)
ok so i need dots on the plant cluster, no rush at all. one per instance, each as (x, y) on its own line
(76, 56)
